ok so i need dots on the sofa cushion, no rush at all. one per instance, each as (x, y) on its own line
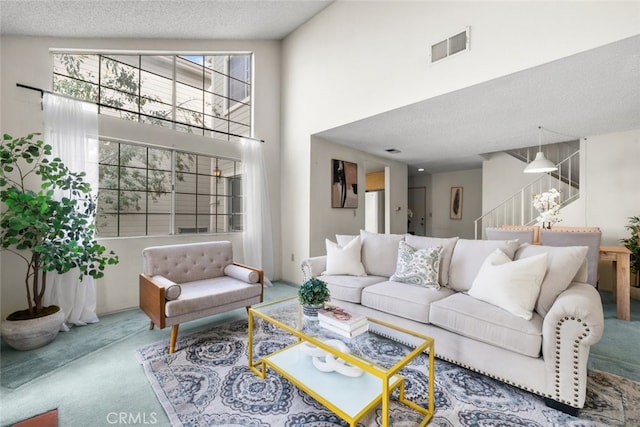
(344, 259)
(468, 257)
(349, 288)
(379, 252)
(208, 293)
(511, 285)
(484, 322)
(563, 264)
(403, 299)
(422, 242)
(417, 266)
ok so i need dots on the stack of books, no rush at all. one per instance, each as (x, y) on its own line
(342, 322)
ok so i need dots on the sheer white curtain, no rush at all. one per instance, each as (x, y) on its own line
(71, 128)
(257, 242)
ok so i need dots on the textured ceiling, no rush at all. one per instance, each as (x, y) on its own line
(172, 19)
(592, 93)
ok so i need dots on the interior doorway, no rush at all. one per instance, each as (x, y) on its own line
(417, 213)
(376, 195)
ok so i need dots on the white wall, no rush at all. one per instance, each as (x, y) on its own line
(26, 60)
(358, 59)
(325, 221)
(609, 192)
(442, 225)
(611, 184)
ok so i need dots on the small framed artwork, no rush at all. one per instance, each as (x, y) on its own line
(455, 204)
(344, 184)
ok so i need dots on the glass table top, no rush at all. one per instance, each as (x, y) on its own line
(384, 344)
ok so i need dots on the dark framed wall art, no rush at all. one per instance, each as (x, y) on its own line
(455, 203)
(344, 184)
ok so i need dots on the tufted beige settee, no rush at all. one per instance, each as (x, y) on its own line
(185, 282)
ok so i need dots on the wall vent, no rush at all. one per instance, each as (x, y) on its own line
(450, 46)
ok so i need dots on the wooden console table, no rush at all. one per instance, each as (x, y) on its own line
(621, 258)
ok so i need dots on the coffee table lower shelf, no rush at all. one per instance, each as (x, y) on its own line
(348, 397)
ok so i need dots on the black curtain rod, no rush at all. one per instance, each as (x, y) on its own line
(42, 92)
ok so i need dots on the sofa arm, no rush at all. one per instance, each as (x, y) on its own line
(313, 266)
(252, 271)
(152, 299)
(573, 324)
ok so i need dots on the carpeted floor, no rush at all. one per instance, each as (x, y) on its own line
(20, 367)
(208, 383)
(95, 386)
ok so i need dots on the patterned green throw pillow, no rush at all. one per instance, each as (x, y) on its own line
(418, 266)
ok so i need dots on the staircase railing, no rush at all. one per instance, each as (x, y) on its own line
(518, 209)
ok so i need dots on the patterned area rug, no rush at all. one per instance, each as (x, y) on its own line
(207, 383)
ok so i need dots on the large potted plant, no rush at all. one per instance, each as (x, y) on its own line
(312, 295)
(633, 244)
(48, 232)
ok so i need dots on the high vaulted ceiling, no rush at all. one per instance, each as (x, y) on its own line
(154, 19)
(591, 93)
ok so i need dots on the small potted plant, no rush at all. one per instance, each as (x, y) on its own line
(312, 295)
(633, 244)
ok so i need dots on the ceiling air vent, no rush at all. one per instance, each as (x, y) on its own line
(450, 46)
(392, 151)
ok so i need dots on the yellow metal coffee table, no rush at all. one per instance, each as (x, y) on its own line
(349, 397)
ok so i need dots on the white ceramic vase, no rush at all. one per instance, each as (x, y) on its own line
(311, 310)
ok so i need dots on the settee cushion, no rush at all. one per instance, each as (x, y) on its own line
(349, 288)
(344, 259)
(484, 322)
(172, 290)
(379, 252)
(403, 299)
(242, 273)
(563, 264)
(422, 242)
(417, 266)
(468, 257)
(188, 262)
(511, 285)
(208, 293)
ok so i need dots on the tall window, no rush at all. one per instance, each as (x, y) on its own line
(154, 191)
(204, 94)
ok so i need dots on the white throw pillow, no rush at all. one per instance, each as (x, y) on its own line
(564, 264)
(379, 252)
(417, 266)
(511, 285)
(344, 260)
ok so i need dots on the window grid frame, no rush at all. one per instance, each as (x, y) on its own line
(175, 124)
(216, 215)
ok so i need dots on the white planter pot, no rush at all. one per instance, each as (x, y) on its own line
(32, 333)
(311, 310)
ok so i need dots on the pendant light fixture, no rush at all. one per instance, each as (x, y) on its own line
(540, 164)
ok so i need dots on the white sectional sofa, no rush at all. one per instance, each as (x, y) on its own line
(475, 302)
